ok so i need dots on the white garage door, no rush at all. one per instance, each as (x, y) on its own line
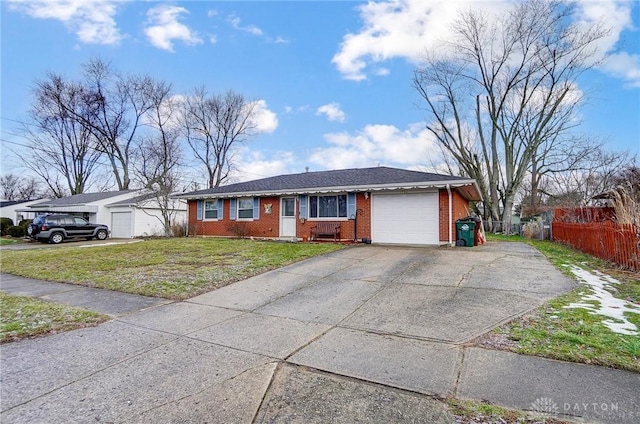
(405, 218)
(121, 224)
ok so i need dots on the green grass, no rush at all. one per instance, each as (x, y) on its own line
(22, 317)
(8, 241)
(176, 268)
(553, 331)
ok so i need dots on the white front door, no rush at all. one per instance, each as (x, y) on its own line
(288, 217)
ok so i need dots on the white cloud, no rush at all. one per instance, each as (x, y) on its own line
(405, 29)
(617, 16)
(234, 21)
(332, 111)
(395, 29)
(265, 120)
(624, 66)
(91, 20)
(163, 27)
(254, 165)
(251, 29)
(212, 13)
(281, 40)
(377, 144)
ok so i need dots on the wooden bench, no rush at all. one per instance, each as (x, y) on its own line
(325, 229)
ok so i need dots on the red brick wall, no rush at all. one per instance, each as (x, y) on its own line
(347, 227)
(269, 224)
(266, 226)
(460, 209)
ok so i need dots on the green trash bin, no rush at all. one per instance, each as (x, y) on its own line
(465, 232)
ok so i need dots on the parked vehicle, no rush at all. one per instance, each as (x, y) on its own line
(57, 228)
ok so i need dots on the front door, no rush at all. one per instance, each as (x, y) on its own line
(288, 217)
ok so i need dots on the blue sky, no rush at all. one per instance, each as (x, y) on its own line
(333, 78)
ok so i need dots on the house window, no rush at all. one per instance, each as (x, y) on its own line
(211, 209)
(245, 208)
(328, 206)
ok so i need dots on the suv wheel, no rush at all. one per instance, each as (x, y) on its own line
(56, 238)
(30, 230)
(101, 235)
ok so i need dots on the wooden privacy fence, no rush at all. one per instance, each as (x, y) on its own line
(608, 240)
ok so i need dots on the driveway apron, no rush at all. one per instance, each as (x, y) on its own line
(369, 331)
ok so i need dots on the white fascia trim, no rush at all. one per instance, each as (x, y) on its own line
(335, 189)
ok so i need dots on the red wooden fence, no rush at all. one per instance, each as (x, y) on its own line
(608, 240)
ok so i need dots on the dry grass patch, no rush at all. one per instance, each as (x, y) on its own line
(22, 317)
(176, 268)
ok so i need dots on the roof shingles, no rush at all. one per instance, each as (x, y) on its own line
(360, 177)
(81, 199)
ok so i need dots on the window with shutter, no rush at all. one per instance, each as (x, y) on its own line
(328, 206)
(211, 211)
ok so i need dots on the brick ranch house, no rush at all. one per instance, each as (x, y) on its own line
(382, 204)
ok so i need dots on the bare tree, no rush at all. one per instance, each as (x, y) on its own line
(213, 126)
(598, 172)
(13, 187)
(60, 147)
(111, 108)
(159, 155)
(503, 88)
(117, 104)
(556, 156)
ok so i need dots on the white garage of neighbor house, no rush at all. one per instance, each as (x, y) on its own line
(127, 213)
(141, 216)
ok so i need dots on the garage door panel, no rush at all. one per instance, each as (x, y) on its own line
(405, 218)
(121, 224)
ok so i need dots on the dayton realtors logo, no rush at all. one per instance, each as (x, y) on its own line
(545, 407)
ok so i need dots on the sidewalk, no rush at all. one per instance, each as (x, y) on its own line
(107, 302)
(340, 338)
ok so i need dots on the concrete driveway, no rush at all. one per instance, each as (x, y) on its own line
(366, 334)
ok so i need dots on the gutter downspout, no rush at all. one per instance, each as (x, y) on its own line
(450, 215)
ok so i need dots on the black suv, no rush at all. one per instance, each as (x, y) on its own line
(56, 228)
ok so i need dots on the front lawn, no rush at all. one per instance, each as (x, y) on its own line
(22, 317)
(176, 268)
(7, 241)
(559, 330)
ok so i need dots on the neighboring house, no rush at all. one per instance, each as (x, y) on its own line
(128, 213)
(142, 216)
(384, 205)
(9, 209)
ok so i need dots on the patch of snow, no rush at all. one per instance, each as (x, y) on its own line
(605, 303)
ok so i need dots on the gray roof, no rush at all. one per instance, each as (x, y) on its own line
(359, 179)
(5, 203)
(134, 200)
(80, 199)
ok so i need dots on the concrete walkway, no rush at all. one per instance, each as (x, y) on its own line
(367, 334)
